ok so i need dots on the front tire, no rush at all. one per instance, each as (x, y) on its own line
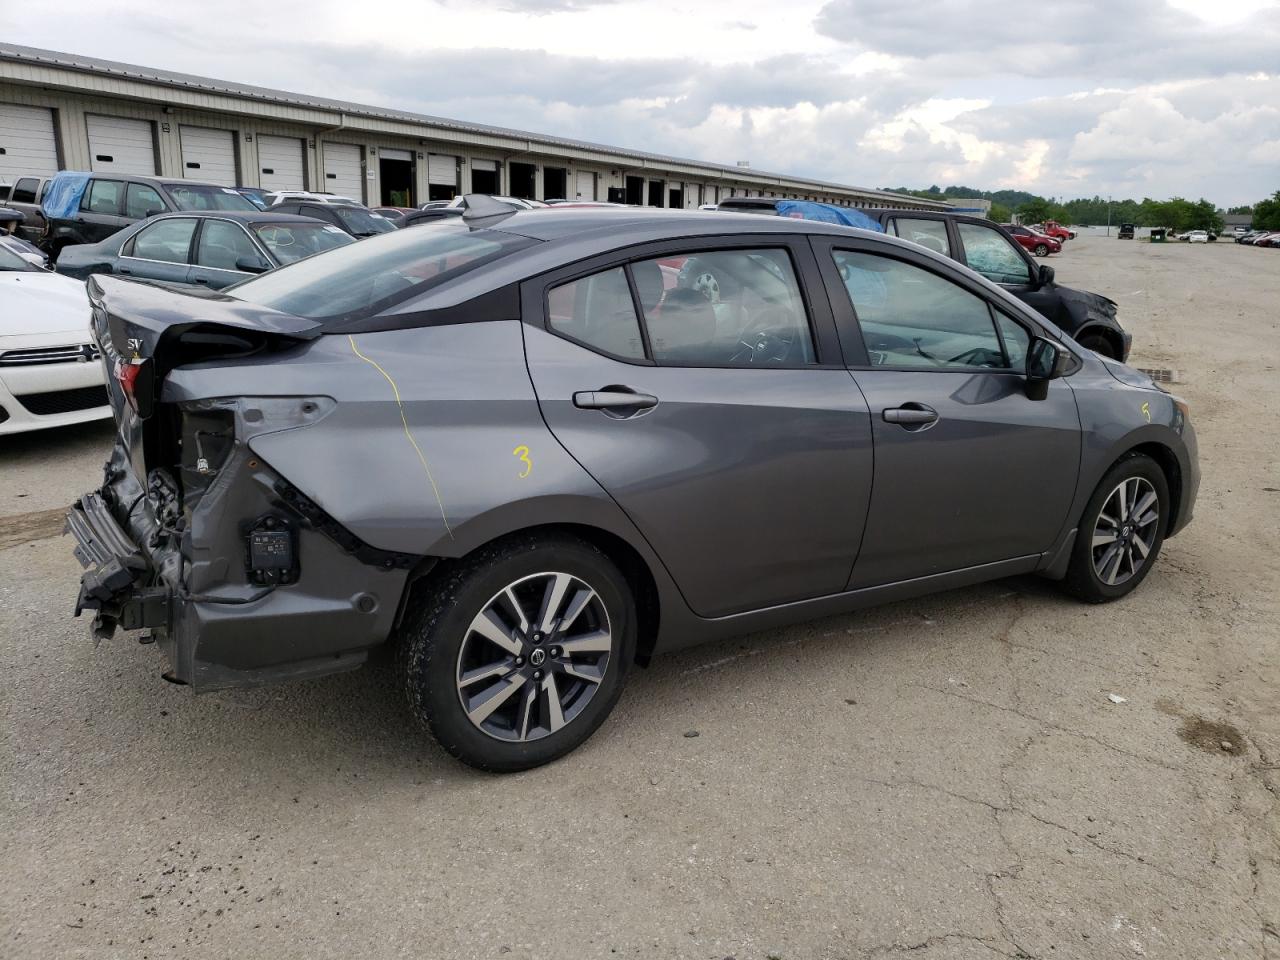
(513, 657)
(1042, 250)
(1099, 345)
(1121, 531)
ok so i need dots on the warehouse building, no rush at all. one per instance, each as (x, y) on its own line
(63, 111)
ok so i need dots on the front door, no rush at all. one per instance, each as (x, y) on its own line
(704, 392)
(968, 470)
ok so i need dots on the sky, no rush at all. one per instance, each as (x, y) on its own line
(1064, 98)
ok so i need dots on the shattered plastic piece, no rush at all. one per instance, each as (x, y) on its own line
(1116, 698)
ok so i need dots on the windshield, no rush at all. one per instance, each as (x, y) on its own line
(363, 278)
(289, 242)
(195, 196)
(362, 222)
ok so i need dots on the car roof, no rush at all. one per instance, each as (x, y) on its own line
(620, 225)
(240, 216)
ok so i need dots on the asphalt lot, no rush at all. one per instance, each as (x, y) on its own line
(947, 777)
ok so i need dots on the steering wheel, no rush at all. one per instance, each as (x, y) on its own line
(774, 340)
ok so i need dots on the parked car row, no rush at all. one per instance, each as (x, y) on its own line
(1260, 238)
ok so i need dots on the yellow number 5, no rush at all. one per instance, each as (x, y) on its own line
(523, 453)
(1146, 411)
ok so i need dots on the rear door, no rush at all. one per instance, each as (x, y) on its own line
(161, 250)
(702, 387)
(968, 469)
(102, 210)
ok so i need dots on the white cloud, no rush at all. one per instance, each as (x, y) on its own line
(1161, 96)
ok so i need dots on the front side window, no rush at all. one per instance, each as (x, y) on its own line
(724, 308)
(142, 200)
(103, 196)
(927, 233)
(166, 240)
(1017, 341)
(993, 254)
(222, 244)
(598, 311)
(911, 317)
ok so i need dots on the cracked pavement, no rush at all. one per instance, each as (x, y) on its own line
(944, 778)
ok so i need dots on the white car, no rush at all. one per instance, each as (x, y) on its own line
(283, 196)
(50, 373)
(1197, 236)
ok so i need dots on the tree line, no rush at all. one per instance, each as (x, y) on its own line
(1176, 213)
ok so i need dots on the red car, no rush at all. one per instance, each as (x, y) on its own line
(1038, 243)
(1056, 230)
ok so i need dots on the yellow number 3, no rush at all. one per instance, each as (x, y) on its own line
(1146, 411)
(523, 453)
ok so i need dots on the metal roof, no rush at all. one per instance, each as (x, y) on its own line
(184, 81)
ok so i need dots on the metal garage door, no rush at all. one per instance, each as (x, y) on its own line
(342, 172)
(209, 154)
(117, 145)
(28, 145)
(442, 170)
(280, 163)
(586, 185)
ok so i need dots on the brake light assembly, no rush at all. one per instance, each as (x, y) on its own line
(136, 378)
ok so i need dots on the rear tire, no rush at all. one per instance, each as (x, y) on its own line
(1118, 539)
(554, 688)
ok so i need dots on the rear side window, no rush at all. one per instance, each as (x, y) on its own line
(598, 311)
(103, 196)
(911, 317)
(724, 308)
(24, 191)
(4, 191)
(361, 279)
(142, 200)
(927, 233)
(993, 254)
(165, 240)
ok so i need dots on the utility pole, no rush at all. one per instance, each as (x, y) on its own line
(1108, 214)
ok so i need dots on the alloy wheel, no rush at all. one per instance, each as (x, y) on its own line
(1125, 531)
(534, 656)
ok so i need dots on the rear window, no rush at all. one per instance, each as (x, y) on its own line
(361, 279)
(189, 196)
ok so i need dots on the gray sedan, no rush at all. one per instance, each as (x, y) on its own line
(214, 249)
(531, 449)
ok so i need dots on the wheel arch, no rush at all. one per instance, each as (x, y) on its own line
(635, 567)
(1113, 337)
(1172, 470)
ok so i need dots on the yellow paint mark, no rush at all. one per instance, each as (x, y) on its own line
(523, 453)
(405, 422)
(1146, 411)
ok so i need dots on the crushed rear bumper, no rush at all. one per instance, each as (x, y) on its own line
(115, 569)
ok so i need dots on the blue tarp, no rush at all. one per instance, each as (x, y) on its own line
(62, 195)
(827, 213)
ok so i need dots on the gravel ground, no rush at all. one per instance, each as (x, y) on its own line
(948, 777)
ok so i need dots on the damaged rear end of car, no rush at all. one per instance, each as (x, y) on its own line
(193, 536)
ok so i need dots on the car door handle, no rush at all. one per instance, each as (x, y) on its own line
(911, 415)
(613, 399)
(200, 280)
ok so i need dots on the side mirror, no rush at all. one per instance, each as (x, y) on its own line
(251, 265)
(1046, 275)
(152, 213)
(1045, 361)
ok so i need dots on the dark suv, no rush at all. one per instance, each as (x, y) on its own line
(983, 246)
(86, 208)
